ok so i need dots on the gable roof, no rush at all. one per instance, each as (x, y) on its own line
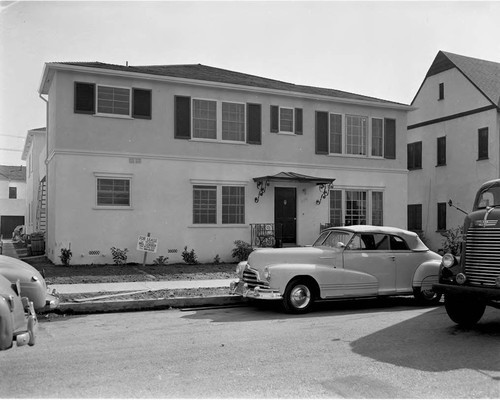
(483, 74)
(199, 72)
(12, 173)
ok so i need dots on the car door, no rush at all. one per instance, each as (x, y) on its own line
(407, 262)
(372, 266)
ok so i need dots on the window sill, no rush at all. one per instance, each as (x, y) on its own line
(286, 133)
(218, 226)
(440, 165)
(118, 116)
(483, 159)
(113, 208)
(236, 142)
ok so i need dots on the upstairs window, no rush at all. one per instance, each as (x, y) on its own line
(233, 121)
(112, 101)
(356, 135)
(286, 120)
(441, 151)
(12, 192)
(441, 91)
(204, 119)
(482, 147)
(414, 155)
(377, 137)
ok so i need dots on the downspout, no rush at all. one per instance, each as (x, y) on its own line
(46, 170)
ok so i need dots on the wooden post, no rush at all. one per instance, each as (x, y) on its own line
(145, 254)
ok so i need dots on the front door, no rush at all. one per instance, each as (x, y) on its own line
(285, 214)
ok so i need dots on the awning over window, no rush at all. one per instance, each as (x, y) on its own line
(325, 184)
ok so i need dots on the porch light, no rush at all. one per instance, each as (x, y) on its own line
(324, 189)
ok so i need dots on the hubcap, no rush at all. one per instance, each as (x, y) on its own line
(428, 294)
(300, 296)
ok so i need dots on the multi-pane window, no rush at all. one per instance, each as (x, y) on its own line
(336, 133)
(377, 137)
(356, 207)
(356, 134)
(286, 120)
(415, 217)
(377, 208)
(482, 147)
(414, 155)
(441, 150)
(204, 119)
(205, 204)
(233, 205)
(113, 192)
(233, 121)
(211, 201)
(113, 100)
(441, 216)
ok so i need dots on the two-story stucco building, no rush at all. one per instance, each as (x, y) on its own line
(196, 156)
(453, 141)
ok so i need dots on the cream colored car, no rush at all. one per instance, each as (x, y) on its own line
(344, 262)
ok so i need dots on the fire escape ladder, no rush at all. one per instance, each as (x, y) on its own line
(41, 209)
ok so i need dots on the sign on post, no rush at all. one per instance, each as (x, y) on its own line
(147, 244)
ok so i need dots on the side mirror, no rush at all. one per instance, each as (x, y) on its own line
(340, 245)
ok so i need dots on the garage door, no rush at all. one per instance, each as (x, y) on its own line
(8, 224)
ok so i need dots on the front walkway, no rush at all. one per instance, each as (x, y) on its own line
(8, 249)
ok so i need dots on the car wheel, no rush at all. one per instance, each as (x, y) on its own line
(298, 297)
(464, 310)
(426, 296)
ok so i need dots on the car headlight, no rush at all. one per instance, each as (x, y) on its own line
(267, 274)
(448, 260)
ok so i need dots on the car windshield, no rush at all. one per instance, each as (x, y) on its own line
(489, 196)
(331, 238)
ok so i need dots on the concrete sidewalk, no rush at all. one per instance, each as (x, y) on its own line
(8, 249)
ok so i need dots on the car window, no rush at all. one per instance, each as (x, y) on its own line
(331, 238)
(369, 241)
(398, 243)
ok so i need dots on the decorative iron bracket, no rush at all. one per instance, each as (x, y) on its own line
(261, 186)
(324, 188)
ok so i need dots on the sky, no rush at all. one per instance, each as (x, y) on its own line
(373, 48)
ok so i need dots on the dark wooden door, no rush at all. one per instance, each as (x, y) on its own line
(285, 213)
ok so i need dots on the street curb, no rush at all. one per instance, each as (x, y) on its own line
(145, 305)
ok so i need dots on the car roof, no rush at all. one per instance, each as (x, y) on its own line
(411, 238)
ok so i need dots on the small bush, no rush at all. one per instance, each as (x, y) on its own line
(242, 250)
(216, 260)
(65, 256)
(160, 260)
(453, 239)
(189, 257)
(119, 255)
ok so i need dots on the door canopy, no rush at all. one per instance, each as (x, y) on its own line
(324, 184)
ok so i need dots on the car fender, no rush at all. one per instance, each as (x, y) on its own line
(6, 324)
(426, 274)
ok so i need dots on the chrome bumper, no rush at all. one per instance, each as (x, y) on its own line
(262, 293)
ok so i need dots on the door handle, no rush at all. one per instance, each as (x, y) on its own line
(393, 258)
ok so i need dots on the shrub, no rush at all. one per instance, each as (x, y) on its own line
(189, 257)
(119, 255)
(242, 250)
(453, 239)
(216, 259)
(160, 260)
(65, 256)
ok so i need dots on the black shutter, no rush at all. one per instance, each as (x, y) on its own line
(321, 132)
(141, 103)
(298, 121)
(84, 98)
(418, 155)
(275, 123)
(182, 119)
(390, 139)
(254, 124)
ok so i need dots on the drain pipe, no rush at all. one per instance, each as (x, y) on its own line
(46, 170)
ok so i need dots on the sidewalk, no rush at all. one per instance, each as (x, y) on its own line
(8, 249)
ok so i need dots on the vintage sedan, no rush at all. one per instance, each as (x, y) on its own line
(344, 262)
(18, 321)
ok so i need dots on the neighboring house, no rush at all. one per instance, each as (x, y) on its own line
(453, 141)
(200, 156)
(12, 198)
(34, 154)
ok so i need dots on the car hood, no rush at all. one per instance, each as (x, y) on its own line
(261, 258)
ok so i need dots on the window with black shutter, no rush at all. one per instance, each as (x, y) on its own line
(441, 151)
(441, 219)
(182, 118)
(321, 132)
(84, 98)
(254, 124)
(415, 217)
(141, 103)
(441, 91)
(414, 159)
(390, 139)
(298, 121)
(275, 119)
(482, 147)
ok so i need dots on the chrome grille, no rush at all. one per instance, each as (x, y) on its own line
(250, 277)
(482, 256)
